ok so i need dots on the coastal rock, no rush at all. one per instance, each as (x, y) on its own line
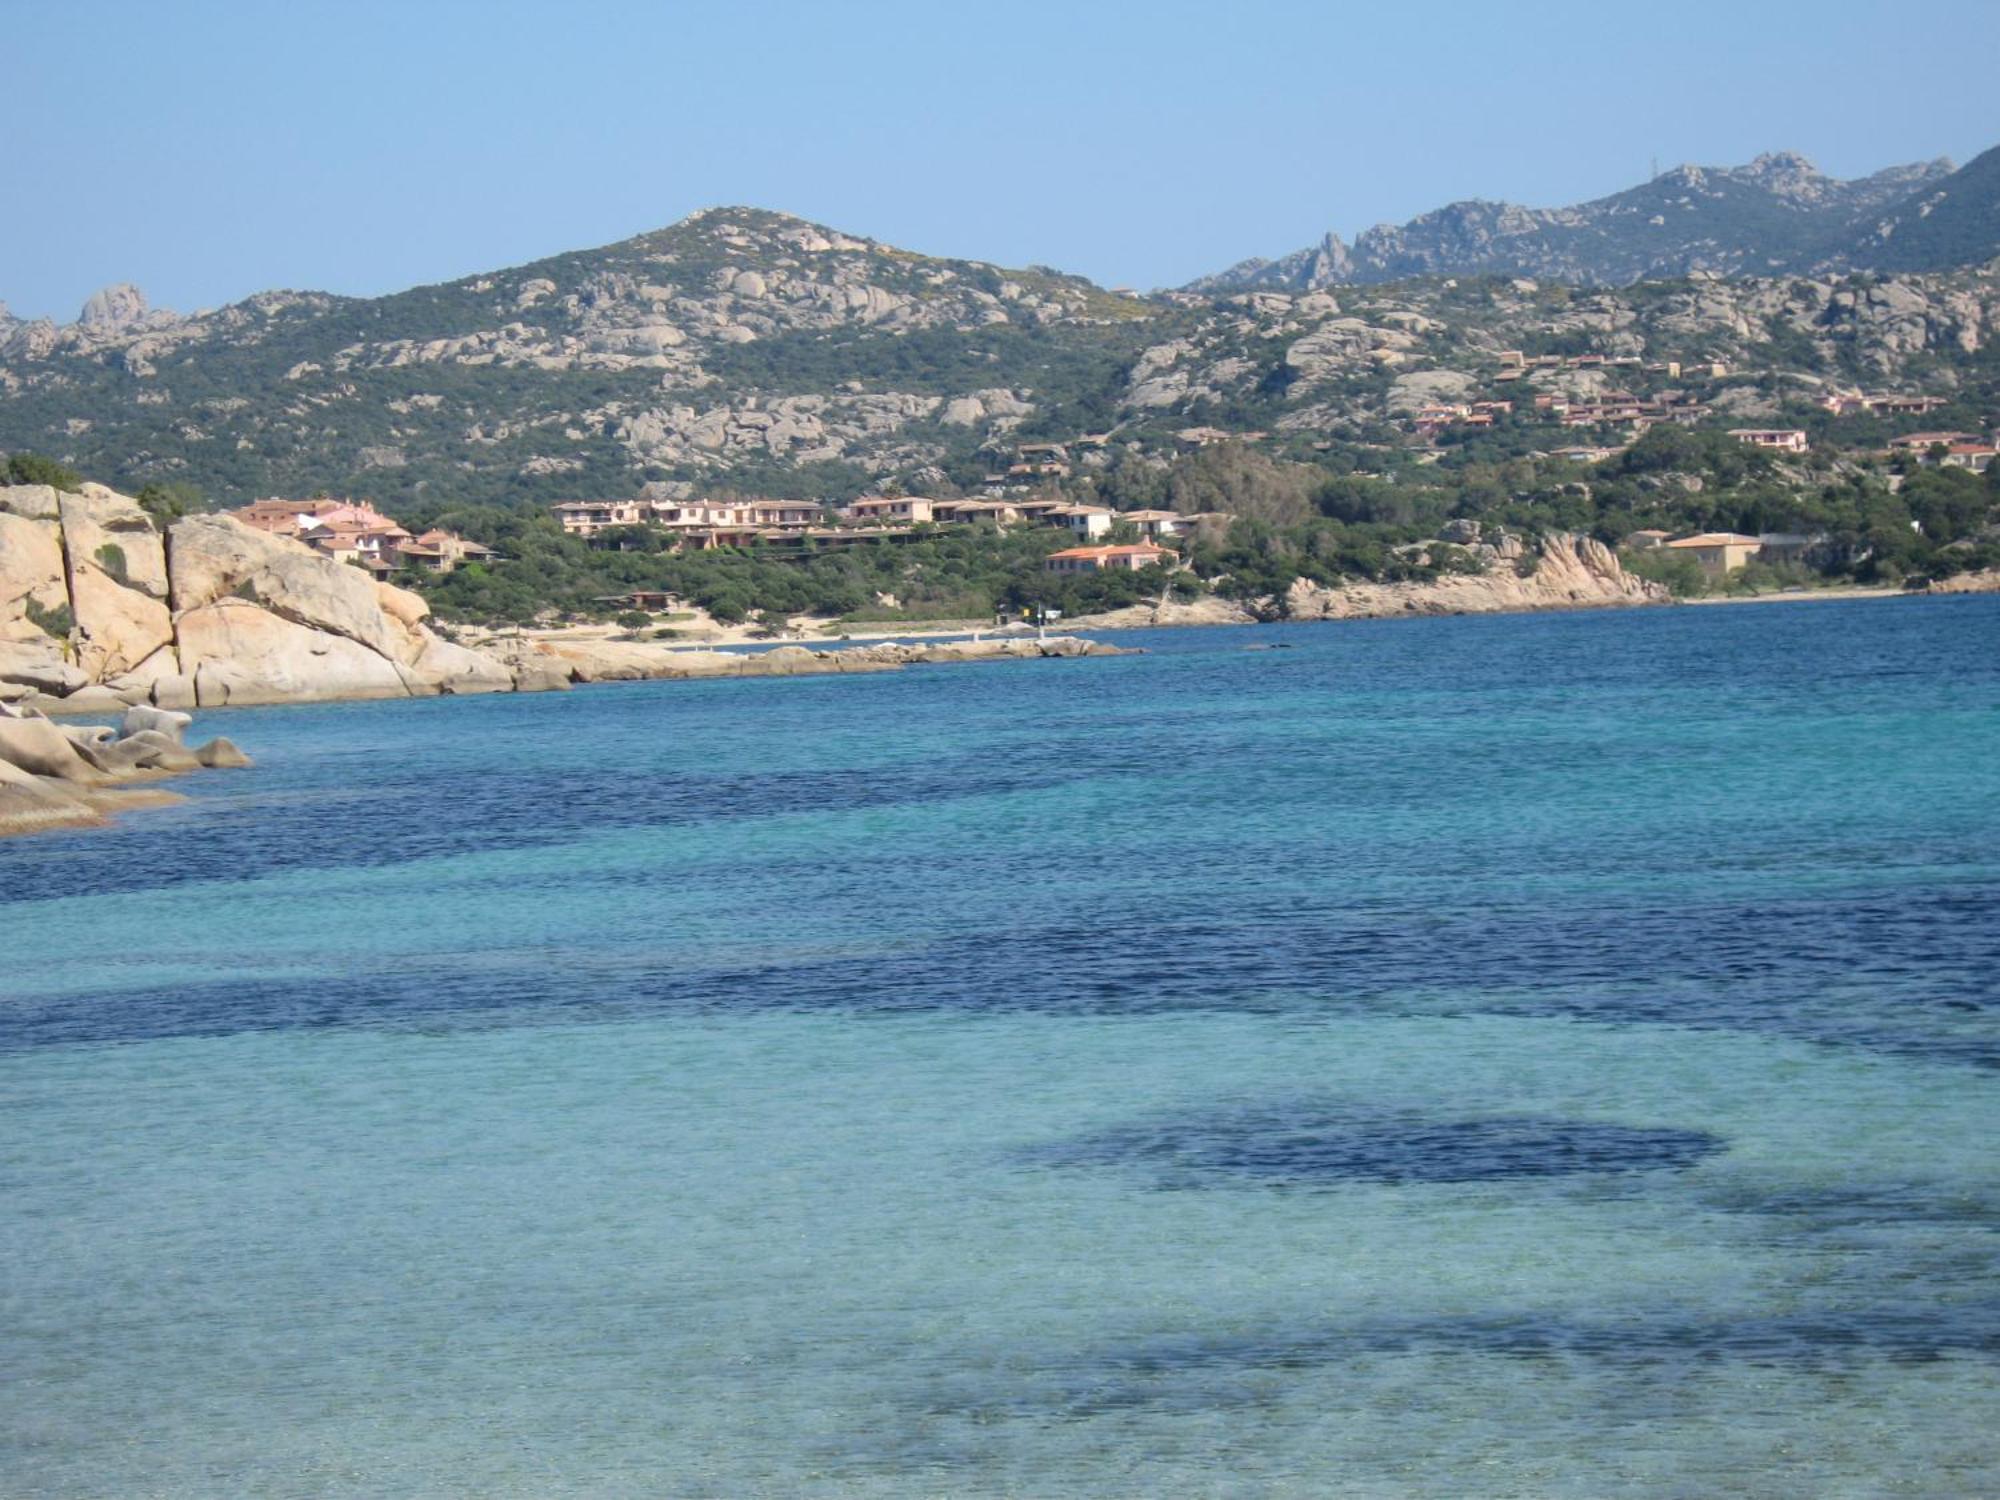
(405, 608)
(1210, 609)
(1571, 572)
(164, 721)
(541, 677)
(1983, 581)
(93, 698)
(29, 804)
(60, 776)
(117, 628)
(176, 691)
(221, 754)
(214, 557)
(239, 652)
(33, 589)
(440, 666)
(142, 683)
(38, 747)
(115, 535)
(37, 664)
(150, 750)
(31, 502)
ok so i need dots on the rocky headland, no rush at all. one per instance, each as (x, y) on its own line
(1560, 571)
(1563, 572)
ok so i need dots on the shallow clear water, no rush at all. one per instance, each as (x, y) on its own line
(1545, 1056)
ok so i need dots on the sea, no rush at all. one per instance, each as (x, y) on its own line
(1534, 1056)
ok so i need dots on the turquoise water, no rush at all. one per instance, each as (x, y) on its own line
(1542, 1056)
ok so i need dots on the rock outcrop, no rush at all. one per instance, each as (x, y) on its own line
(99, 608)
(586, 661)
(1983, 581)
(69, 776)
(1569, 572)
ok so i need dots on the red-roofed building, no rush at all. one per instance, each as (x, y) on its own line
(1129, 559)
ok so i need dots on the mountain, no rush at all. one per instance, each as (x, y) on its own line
(750, 350)
(737, 339)
(1778, 214)
(1952, 221)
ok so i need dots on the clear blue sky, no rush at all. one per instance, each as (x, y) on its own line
(210, 150)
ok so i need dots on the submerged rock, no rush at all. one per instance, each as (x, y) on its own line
(220, 754)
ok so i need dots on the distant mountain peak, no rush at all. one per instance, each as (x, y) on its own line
(1776, 211)
(113, 307)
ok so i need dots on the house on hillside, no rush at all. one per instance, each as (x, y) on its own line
(1977, 457)
(1919, 441)
(1778, 439)
(1154, 524)
(904, 510)
(588, 517)
(283, 517)
(437, 551)
(354, 534)
(1084, 520)
(1129, 559)
(1719, 553)
(1001, 512)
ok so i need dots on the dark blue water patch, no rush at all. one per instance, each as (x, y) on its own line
(1205, 1373)
(405, 815)
(1858, 1212)
(1906, 971)
(1306, 1143)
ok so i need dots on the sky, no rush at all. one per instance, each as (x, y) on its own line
(206, 151)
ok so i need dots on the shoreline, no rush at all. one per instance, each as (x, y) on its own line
(1210, 612)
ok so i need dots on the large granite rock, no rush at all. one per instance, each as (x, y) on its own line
(113, 307)
(33, 502)
(115, 534)
(37, 746)
(32, 582)
(38, 665)
(117, 628)
(1569, 572)
(214, 557)
(239, 652)
(29, 804)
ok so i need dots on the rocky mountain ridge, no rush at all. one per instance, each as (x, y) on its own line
(1778, 213)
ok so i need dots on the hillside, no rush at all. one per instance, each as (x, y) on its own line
(735, 341)
(749, 350)
(1777, 214)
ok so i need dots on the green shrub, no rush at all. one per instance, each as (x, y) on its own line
(57, 622)
(32, 468)
(111, 558)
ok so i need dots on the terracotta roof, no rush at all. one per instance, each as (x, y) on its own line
(1145, 549)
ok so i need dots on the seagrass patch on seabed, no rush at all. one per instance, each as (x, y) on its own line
(1311, 1143)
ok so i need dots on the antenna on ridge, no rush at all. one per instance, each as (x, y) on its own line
(1656, 169)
